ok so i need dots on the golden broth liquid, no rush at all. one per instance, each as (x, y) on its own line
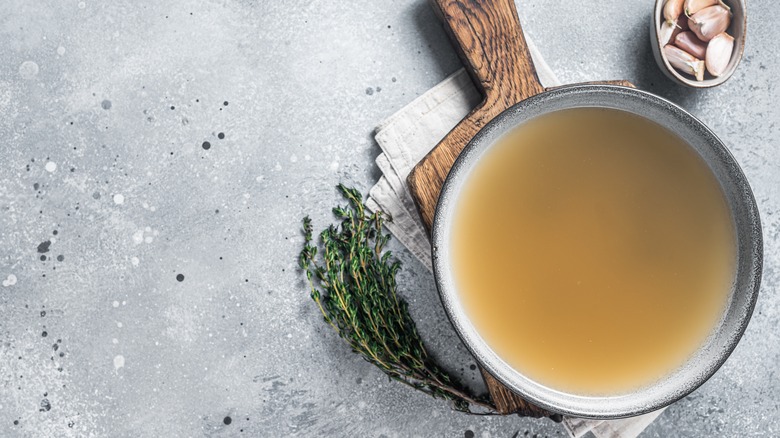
(593, 250)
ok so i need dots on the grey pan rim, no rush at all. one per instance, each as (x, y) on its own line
(724, 337)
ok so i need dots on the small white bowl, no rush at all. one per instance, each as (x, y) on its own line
(737, 29)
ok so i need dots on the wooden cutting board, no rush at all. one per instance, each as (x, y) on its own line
(490, 43)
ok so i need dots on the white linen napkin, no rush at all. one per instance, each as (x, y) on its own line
(405, 138)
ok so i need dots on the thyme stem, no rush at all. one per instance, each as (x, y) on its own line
(353, 284)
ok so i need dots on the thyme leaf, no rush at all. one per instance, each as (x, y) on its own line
(353, 284)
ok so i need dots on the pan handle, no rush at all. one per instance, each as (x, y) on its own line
(490, 42)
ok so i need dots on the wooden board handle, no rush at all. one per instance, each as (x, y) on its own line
(491, 44)
(493, 48)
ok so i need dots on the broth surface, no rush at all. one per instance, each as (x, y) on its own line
(593, 250)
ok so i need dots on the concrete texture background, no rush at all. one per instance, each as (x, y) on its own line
(104, 109)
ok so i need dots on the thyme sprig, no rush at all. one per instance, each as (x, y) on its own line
(353, 284)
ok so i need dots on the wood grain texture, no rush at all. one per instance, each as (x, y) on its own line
(507, 402)
(493, 49)
(491, 44)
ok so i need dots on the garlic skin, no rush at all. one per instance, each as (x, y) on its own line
(684, 61)
(668, 32)
(672, 10)
(710, 21)
(719, 53)
(693, 6)
(691, 44)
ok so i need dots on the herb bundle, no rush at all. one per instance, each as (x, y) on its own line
(353, 283)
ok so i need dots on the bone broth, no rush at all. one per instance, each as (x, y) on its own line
(593, 250)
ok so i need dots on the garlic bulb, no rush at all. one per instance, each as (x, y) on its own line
(685, 62)
(719, 53)
(694, 6)
(672, 10)
(691, 44)
(710, 21)
(668, 31)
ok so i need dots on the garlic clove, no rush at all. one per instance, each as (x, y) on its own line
(668, 32)
(719, 53)
(684, 62)
(673, 9)
(691, 44)
(710, 21)
(693, 6)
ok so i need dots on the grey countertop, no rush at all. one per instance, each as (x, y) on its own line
(107, 195)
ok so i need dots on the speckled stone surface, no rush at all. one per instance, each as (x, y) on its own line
(149, 282)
